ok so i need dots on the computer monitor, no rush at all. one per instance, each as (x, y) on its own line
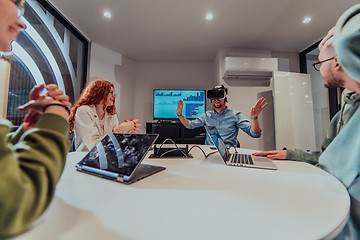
(166, 100)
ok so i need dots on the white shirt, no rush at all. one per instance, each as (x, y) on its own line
(89, 129)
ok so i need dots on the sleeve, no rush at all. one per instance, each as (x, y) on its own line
(198, 122)
(15, 136)
(29, 171)
(244, 124)
(85, 128)
(300, 155)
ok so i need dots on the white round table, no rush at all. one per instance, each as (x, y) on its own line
(196, 199)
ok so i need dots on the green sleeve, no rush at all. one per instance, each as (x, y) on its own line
(29, 171)
(300, 155)
(15, 136)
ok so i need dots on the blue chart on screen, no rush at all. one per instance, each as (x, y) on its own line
(165, 103)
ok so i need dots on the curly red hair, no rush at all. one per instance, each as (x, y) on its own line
(94, 93)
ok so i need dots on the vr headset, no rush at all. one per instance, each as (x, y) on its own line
(216, 94)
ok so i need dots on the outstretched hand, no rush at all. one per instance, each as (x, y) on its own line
(275, 154)
(258, 107)
(180, 106)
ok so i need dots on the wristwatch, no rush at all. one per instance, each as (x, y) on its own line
(254, 118)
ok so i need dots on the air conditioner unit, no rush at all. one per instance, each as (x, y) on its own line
(248, 68)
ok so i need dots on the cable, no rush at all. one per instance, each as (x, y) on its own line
(172, 150)
(168, 139)
(201, 150)
(211, 153)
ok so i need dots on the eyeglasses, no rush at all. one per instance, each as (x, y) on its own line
(20, 4)
(317, 65)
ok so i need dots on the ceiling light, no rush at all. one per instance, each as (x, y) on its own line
(209, 16)
(107, 14)
(306, 20)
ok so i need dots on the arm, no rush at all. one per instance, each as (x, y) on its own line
(296, 154)
(179, 110)
(29, 171)
(31, 163)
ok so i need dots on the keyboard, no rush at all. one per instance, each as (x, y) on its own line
(237, 159)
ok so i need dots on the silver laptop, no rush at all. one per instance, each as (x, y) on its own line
(237, 159)
(118, 157)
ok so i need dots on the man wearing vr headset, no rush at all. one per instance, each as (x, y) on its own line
(225, 120)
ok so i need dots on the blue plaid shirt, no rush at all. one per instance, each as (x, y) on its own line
(227, 123)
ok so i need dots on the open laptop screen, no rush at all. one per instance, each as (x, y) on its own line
(217, 140)
(119, 153)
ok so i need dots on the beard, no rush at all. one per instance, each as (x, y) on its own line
(332, 81)
(219, 105)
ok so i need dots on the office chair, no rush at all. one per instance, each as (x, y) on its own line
(72, 148)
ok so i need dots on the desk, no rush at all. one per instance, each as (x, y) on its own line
(196, 199)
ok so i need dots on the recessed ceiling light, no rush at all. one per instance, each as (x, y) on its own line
(306, 20)
(209, 16)
(107, 14)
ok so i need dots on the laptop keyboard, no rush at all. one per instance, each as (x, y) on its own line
(237, 159)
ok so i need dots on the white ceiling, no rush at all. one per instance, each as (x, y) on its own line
(176, 30)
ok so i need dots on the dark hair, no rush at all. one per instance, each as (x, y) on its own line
(94, 93)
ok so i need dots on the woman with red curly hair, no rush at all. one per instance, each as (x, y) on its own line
(93, 116)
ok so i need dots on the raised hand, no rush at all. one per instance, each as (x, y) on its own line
(36, 103)
(180, 107)
(57, 94)
(36, 107)
(258, 107)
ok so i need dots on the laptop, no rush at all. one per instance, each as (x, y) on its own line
(237, 159)
(118, 157)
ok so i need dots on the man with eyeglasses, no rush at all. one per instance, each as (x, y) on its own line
(334, 76)
(33, 157)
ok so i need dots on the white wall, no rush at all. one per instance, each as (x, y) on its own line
(120, 71)
(293, 58)
(150, 75)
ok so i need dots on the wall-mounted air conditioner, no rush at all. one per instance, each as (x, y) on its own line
(248, 68)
